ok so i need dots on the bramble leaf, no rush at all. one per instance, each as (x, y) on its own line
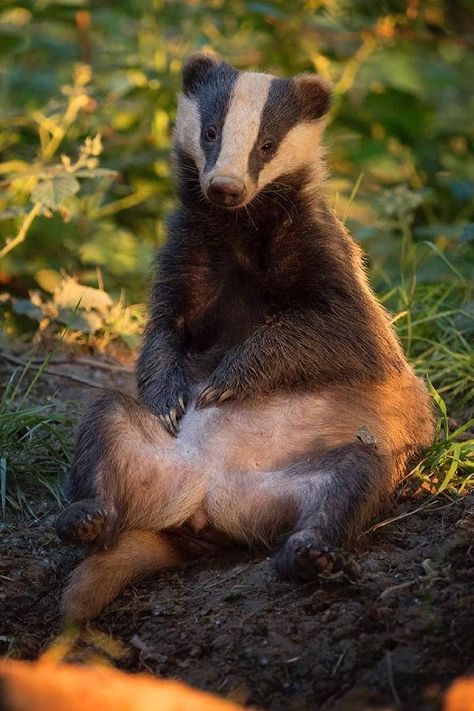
(53, 191)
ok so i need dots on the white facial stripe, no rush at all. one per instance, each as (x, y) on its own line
(300, 147)
(242, 124)
(188, 129)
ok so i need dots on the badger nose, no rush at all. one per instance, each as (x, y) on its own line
(226, 191)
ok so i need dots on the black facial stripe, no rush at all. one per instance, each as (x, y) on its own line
(213, 98)
(280, 113)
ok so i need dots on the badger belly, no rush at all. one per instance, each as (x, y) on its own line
(228, 465)
(248, 456)
(237, 454)
(259, 435)
(243, 467)
(268, 433)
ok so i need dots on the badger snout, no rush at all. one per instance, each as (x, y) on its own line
(226, 191)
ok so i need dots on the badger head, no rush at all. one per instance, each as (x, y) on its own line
(238, 132)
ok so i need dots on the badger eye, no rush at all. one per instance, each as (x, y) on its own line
(211, 133)
(267, 146)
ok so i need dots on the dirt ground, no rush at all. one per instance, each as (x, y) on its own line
(391, 638)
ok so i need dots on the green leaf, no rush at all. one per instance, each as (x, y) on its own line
(84, 321)
(441, 405)
(117, 250)
(132, 340)
(54, 191)
(12, 212)
(49, 279)
(96, 173)
(456, 452)
(3, 484)
(469, 425)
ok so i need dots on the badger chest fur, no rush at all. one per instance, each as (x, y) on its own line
(274, 402)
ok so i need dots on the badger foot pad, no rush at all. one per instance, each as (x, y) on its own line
(305, 556)
(314, 561)
(87, 522)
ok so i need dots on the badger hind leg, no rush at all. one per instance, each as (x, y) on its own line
(340, 492)
(103, 575)
(88, 522)
(127, 466)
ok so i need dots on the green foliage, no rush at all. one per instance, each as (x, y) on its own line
(83, 82)
(403, 102)
(449, 463)
(35, 443)
(92, 317)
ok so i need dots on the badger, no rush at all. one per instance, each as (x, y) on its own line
(275, 404)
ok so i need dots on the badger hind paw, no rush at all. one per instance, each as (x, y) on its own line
(88, 522)
(315, 561)
(305, 556)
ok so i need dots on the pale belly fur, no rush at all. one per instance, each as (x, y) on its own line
(230, 461)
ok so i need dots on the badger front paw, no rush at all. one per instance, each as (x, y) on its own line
(170, 413)
(168, 401)
(214, 395)
(225, 384)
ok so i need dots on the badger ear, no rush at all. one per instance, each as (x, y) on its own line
(314, 96)
(197, 70)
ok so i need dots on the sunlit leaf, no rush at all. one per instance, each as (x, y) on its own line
(96, 173)
(55, 190)
(12, 212)
(48, 279)
(71, 294)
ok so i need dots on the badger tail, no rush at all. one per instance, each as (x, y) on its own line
(101, 577)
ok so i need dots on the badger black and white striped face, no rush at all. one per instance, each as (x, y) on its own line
(244, 130)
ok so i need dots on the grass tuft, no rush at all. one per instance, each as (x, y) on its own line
(35, 444)
(448, 465)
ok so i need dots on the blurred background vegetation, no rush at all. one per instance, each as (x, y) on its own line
(87, 103)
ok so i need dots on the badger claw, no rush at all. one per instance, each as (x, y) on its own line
(168, 425)
(170, 420)
(212, 396)
(174, 416)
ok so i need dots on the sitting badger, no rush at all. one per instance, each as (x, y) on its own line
(274, 402)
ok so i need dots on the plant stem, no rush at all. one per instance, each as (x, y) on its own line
(25, 226)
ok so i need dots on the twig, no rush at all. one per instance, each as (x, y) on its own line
(394, 588)
(234, 574)
(100, 365)
(393, 519)
(339, 661)
(391, 680)
(55, 373)
(25, 226)
(103, 366)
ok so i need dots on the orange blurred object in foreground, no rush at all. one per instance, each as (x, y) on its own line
(43, 686)
(460, 696)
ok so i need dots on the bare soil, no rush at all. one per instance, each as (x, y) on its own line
(394, 637)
